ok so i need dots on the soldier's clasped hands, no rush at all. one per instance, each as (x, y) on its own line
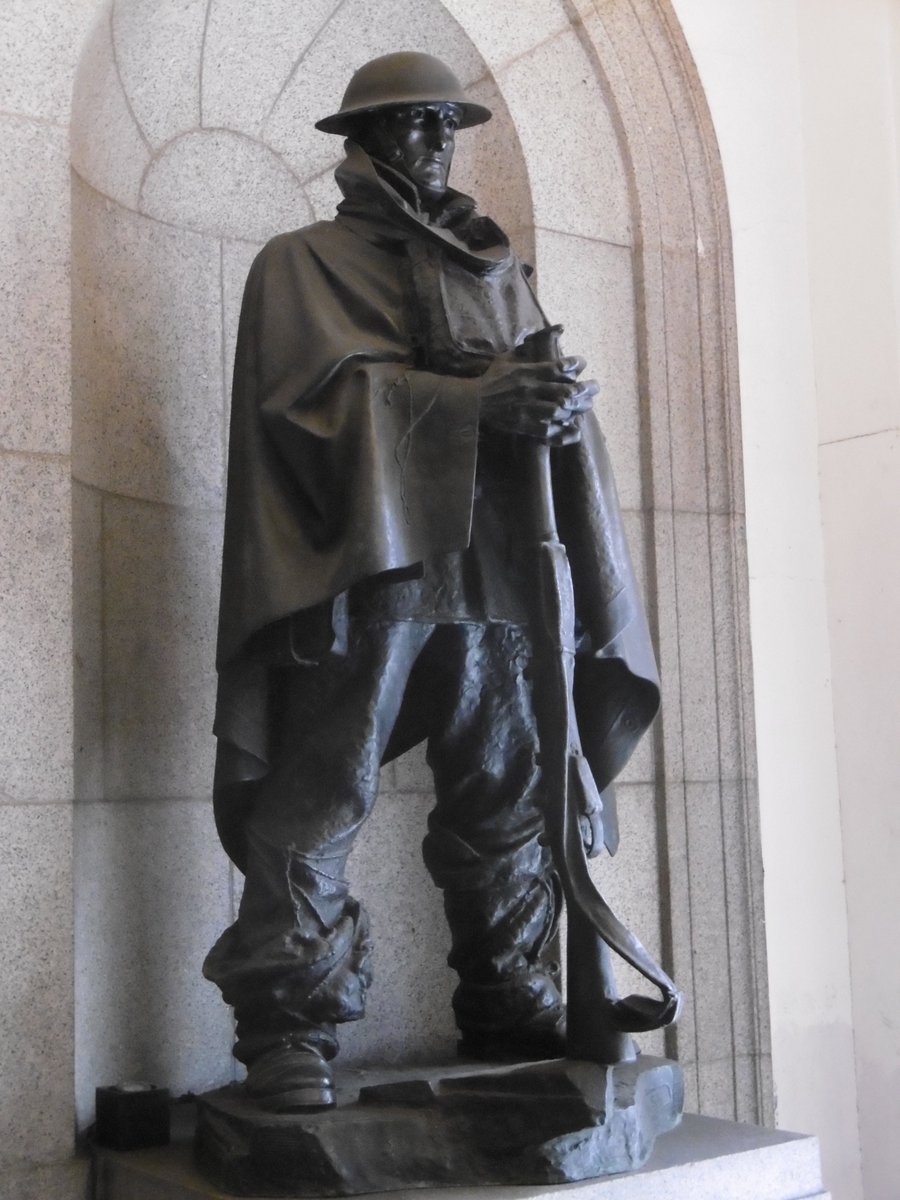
(540, 400)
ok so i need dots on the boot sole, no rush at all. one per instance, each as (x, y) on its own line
(307, 1099)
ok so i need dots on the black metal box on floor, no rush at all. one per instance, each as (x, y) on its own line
(132, 1116)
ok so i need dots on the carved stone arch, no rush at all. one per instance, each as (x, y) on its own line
(689, 523)
(191, 143)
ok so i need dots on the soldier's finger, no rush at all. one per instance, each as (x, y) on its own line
(581, 402)
(545, 371)
(547, 411)
(558, 393)
(562, 435)
(588, 388)
(573, 365)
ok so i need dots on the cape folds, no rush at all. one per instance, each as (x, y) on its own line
(353, 449)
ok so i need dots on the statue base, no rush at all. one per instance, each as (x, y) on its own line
(550, 1122)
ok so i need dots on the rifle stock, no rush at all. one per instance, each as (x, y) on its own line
(598, 1020)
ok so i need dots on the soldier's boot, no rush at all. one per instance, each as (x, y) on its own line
(290, 1079)
(522, 1019)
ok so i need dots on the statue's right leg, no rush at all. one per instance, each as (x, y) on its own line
(295, 963)
(485, 846)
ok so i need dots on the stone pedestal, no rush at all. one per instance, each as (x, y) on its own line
(703, 1159)
(551, 1122)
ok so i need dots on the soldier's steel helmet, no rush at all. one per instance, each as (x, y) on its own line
(397, 79)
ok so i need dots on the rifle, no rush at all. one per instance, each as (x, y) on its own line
(598, 1020)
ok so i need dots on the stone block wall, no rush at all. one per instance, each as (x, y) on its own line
(191, 142)
(39, 47)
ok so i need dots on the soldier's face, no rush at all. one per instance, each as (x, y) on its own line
(425, 137)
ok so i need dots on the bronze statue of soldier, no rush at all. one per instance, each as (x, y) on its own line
(394, 376)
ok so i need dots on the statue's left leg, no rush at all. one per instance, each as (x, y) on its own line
(295, 963)
(484, 844)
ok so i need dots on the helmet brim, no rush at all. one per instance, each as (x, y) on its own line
(346, 123)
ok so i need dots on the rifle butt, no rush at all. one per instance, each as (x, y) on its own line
(591, 1034)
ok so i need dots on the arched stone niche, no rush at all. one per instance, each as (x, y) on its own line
(192, 143)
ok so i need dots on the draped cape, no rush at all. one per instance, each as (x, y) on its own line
(352, 454)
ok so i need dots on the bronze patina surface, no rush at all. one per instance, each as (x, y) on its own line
(422, 543)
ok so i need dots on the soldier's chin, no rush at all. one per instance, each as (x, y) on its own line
(430, 184)
(431, 190)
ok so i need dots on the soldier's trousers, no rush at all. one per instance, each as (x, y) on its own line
(295, 962)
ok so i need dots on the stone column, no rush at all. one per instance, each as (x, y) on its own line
(38, 51)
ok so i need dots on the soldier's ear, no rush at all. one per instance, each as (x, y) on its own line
(365, 134)
(388, 148)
